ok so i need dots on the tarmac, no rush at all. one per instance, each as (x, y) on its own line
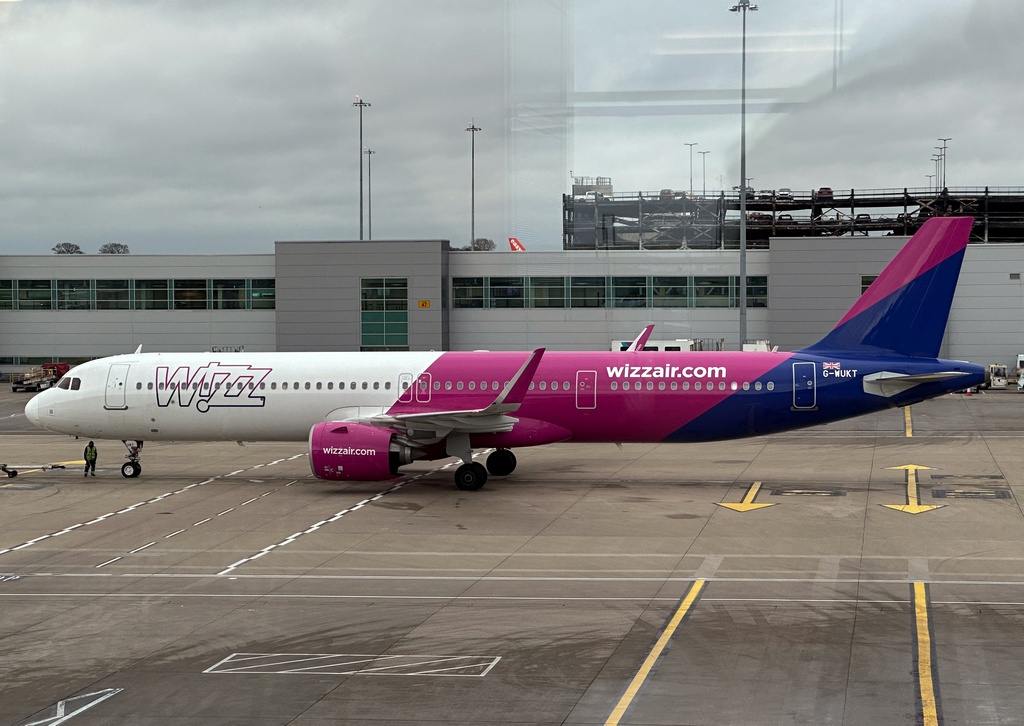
(869, 572)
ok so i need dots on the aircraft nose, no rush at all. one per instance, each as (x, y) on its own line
(32, 410)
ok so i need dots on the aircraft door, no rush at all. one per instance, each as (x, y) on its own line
(423, 388)
(586, 389)
(117, 381)
(405, 388)
(805, 394)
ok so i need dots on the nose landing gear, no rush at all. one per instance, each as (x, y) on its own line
(132, 468)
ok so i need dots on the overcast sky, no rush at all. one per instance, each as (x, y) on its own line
(192, 127)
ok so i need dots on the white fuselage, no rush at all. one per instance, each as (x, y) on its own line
(230, 396)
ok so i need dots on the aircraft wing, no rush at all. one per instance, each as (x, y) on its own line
(425, 426)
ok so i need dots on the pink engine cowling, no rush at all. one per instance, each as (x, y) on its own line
(356, 452)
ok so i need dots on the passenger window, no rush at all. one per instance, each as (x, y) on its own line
(376, 385)
(447, 385)
(330, 385)
(273, 386)
(733, 386)
(149, 386)
(472, 385)
(696, 385)
(307, 385)
(387, 385)
(650, 385)
(65, 383)
(365, 385)
(494, 385)
(458, 385)
(721, 385)
(661, 385)
(543, 385)
(686, 385)
(625, 385)
(531, 385)
(437, 385)
(295, 385)
(674, 386)
(771, 385)
(341, 385)
(614, 386)
(757, 385)
(319, 385)
(565, 385)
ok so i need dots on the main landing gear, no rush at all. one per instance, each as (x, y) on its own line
(472, 475)
(132, 468)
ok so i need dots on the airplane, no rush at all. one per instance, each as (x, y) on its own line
(515, 245)
(366, 414)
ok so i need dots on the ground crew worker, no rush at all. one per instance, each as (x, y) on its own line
(90, 459)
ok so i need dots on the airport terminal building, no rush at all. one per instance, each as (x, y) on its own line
(421, 295)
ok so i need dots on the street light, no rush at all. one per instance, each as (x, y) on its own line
(369, 189)
(948, 138)
(691, 145)
(704, 171)
(930, 177)
(742, 7)
(361, 104)
(472, 129)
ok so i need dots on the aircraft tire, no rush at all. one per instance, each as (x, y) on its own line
(501, 462)
(12, 473)
(470, 477)
(130, 469)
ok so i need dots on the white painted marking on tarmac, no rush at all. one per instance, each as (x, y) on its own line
(314, 527)
(104, 564)
(139, 549)
(461, 666)
(168, 536)
(202, 521)
(66, 708)
(221, 514)
(248, 501)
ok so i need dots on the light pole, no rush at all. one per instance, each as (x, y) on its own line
(361, 104)
(691, 145)
(948, 138)
(472, 129)
(369, 189)
(937, 158)
(742, 7)
(930, 177)
(704, 171)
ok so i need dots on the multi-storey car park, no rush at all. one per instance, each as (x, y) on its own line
(671, 219)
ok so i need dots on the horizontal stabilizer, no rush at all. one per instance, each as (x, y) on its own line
(888, 384)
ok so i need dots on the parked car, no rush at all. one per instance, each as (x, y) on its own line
(749, 191)
(824, 194)
(766, 194)
(784, 219)
(785, 194)
(862, 218)
(667, 194)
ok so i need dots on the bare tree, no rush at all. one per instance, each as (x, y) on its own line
(481, 244)
(67, 248)
(115, 248)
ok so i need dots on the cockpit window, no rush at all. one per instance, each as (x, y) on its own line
(65, 383)
(76, 383)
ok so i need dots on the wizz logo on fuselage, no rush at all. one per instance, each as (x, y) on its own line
(210, 386)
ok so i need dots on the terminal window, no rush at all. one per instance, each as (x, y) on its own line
(384, 313)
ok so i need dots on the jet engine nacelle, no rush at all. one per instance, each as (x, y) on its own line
(356, 452)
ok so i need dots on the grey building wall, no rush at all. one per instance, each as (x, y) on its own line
(94, 333)
(594, 328)
(318, 284)
(814, 281)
